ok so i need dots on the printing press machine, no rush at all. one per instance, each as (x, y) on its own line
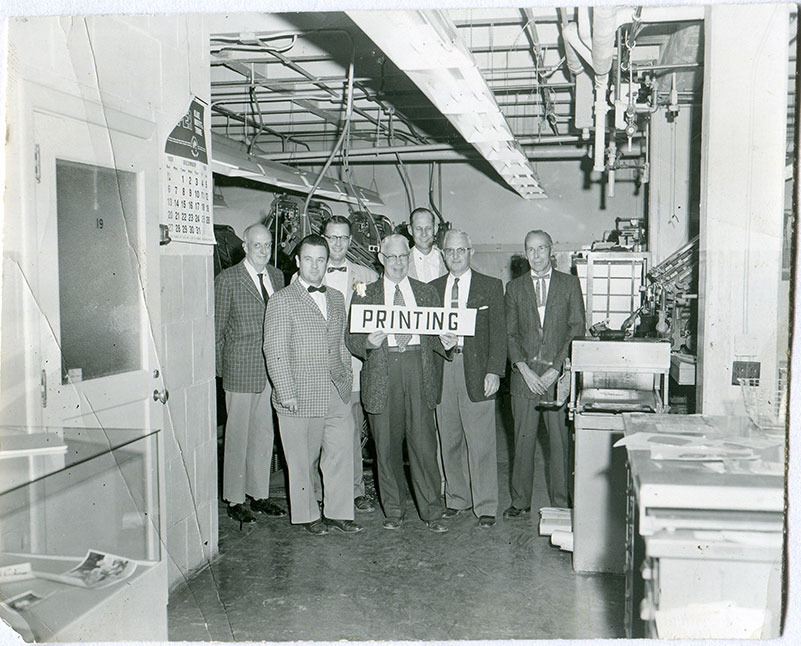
(608, 378)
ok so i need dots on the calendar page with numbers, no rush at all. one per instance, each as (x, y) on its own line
(188, 189)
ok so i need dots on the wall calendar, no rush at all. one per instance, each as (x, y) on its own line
(187, 179)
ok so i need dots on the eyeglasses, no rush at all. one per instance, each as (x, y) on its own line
(338, 238)
(402, 257)
(458, 251)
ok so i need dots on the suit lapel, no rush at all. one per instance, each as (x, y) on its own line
(307, 298)
(550, 300)
(247, 281)
(474, 297)
(531, 296)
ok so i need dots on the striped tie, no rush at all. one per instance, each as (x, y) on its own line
(401, 339)
(455, 294)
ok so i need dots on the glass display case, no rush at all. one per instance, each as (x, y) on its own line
(80, 535)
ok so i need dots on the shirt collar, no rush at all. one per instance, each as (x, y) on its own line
(251, 269)
(417, 251)
(391, 284)
(546, 275)
(303, 283)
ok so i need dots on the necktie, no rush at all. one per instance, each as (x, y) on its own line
(455, 294)
(312, 288)
(540, 289)
(402, 339)
(264, 293)
(333, 269)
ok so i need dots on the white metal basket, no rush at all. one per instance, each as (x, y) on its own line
(767, 408)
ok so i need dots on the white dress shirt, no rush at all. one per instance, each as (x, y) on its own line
(428, 266)
(338, 279)
(464, 291)
(254, 275)
(547, 282)
(408, 300)
(318, 297)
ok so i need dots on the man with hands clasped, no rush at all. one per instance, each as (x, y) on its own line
(544, 313)
(471, 377)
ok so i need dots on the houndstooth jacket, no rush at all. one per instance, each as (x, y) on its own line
(306, 352)
(238, 328)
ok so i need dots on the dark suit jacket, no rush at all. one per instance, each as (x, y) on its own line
(542, 346)
(306, 352)
(486, 351)
(375, 371)
(239, 327)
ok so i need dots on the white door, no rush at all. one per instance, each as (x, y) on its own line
(98, 293)
(97, 240)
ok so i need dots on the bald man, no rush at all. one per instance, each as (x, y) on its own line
(241, 293)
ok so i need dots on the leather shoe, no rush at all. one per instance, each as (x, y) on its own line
(241, 513)
(450, 512)
(316, 527)
(393, 523)
(486, 521)
(347, 526)
(267, 507)
(363, 503)
(437, 526)
(516, 512)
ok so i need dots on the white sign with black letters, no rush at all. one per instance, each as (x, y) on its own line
(394, 319)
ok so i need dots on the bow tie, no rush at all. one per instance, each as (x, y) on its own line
(312, 288)
(330, 269)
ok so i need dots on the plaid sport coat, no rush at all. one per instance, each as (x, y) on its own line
(239, 328)
(375, 371)
(306, 352)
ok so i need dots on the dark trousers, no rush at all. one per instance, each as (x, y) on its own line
(526, 419)
(407, 415)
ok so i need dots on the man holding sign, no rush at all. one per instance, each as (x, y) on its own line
(471, 377)
(400, 389)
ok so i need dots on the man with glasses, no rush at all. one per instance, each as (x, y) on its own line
(544, 313)
(425, 263)
(241, 294)
(400, 390)
(346, 277)
(471, 376)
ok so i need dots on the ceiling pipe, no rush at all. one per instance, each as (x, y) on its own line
(603, 45)
(573, 61)
(412, 154)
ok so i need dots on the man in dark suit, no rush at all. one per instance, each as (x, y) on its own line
(400, 386)
(471, 377)
(304, 345)
(544, 313)
(240, 296)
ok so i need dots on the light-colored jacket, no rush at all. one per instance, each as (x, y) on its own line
(305, 352)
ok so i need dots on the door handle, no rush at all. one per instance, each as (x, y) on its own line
(161, 395)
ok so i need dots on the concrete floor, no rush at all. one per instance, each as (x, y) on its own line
(275, 582)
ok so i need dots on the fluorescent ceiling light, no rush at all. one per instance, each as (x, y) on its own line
(426, 45)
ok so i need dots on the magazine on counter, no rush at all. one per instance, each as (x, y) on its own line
(97, 570)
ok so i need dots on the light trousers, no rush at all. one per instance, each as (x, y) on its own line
(467, 435)
(248, 448)
(327, 441)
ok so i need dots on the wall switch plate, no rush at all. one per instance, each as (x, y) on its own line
(744, 370)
